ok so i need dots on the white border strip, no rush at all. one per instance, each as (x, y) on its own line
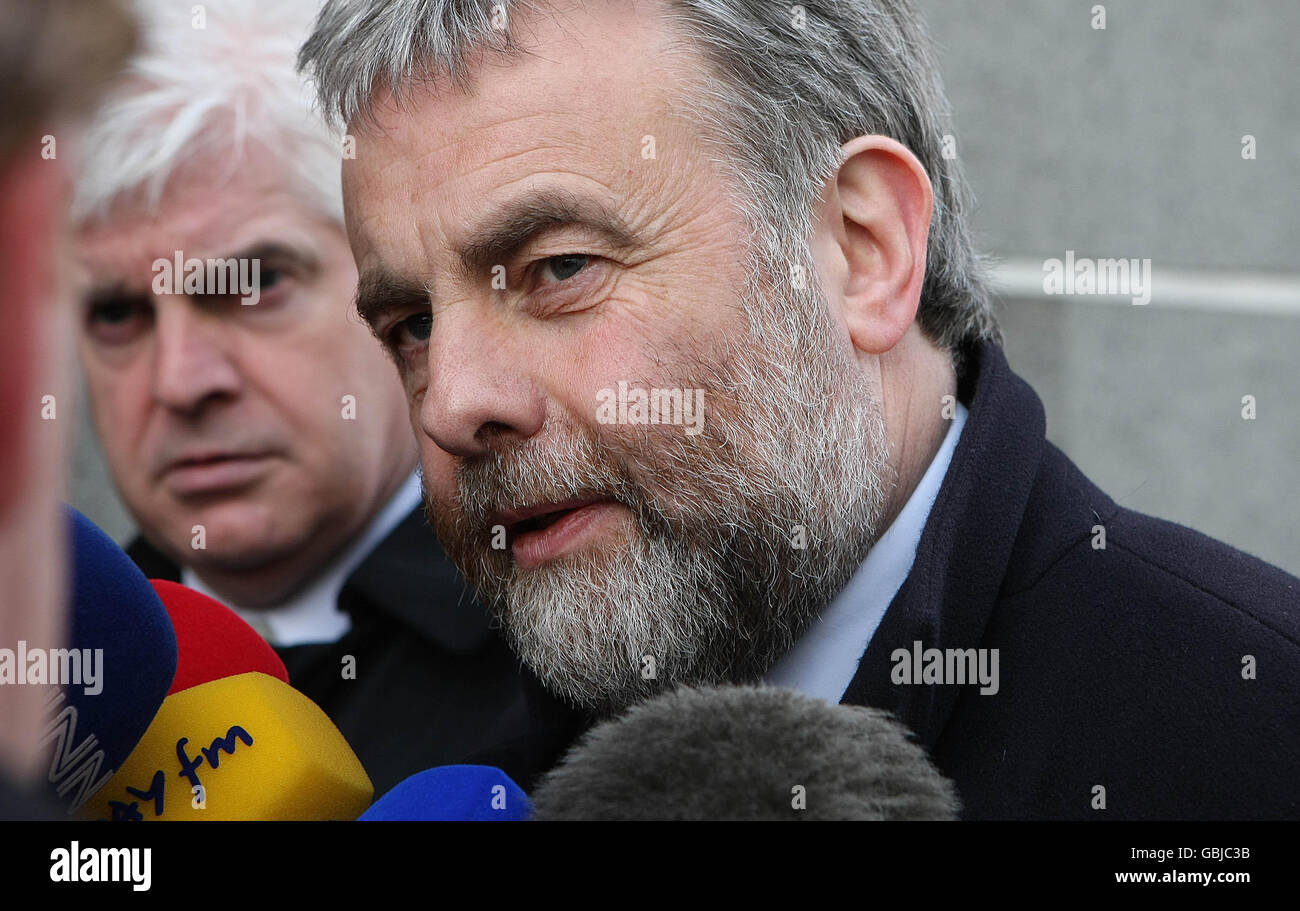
(1171, 288)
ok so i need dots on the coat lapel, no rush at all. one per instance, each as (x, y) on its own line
(965, 548)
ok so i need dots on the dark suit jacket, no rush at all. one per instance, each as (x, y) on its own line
(1119, 667)
(434, 684)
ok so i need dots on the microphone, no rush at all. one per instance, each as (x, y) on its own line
(244, 747)
(237, 742)
(453, 793)
(212, 640)
(745, 753)
(115, 673)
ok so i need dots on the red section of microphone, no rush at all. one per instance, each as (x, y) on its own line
(212, 641)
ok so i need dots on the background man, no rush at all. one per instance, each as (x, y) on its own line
(553, 203)
(257, 434)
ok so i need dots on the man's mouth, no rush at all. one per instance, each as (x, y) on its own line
(544, 531)
(207, 473)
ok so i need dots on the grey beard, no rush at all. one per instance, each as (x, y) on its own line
(713, 585)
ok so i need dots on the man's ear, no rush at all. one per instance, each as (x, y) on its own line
(870, 240)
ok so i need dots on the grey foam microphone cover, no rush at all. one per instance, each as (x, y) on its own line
(745, 753)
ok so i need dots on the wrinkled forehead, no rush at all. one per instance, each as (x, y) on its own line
(592, 100)
(202, 212)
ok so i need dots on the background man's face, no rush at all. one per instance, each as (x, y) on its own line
(618, 266)
(232, 416)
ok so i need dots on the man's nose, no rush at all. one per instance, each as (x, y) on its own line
(191, 361)
(481, 392)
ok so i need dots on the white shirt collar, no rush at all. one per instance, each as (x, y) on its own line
(313, 615)
(824, 660)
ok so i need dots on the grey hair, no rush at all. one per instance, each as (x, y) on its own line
(203, 90)
(779, 97)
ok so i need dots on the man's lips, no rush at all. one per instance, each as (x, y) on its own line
(544, 531)
(214, 472)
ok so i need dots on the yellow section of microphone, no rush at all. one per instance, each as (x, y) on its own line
(245, 747)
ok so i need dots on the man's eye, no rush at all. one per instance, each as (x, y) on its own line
(113, 312)
(413, 330)
(566, 266)
(118, 320)
(269, 278)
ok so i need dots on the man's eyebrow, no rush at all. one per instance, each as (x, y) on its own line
(105, 293)
(380, 292)
(279, 253)
(509, 228)
(503, 233)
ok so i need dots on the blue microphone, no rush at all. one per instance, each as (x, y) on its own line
(113, 675)
(453, 793)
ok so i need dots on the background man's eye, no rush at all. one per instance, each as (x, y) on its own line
(113, 312)
(566, 266)
(269, 278)
(118, 320)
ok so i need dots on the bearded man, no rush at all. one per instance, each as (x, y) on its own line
(553, 200)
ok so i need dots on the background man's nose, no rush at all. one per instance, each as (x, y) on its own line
(191, 360)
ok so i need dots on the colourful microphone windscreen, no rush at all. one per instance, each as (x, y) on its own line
(212, 640)
(246, 747)
(118, 665)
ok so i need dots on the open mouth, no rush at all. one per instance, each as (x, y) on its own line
(541, 532)
(538, 522)
(538, 516)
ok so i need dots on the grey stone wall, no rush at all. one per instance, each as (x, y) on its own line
(1127, 142)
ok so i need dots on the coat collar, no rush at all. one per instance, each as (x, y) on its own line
(966, 547)
(406, 577)
(410, 578)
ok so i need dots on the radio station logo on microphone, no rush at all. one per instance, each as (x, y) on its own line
(81, 667)
(127, 809)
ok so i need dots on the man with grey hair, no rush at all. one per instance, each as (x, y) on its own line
(708, 388)
(256, 433)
